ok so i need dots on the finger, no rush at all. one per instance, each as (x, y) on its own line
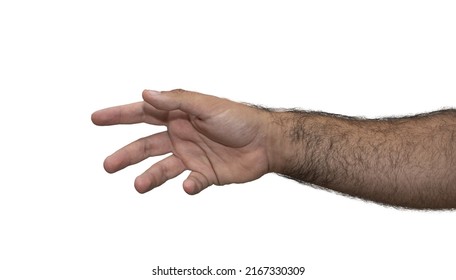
(194, 103)
(130, 114)
(159, 173)
(195, 183)
(154, 145)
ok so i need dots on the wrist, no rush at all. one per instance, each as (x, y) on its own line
(281, 151)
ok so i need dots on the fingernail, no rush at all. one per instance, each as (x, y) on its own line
(153, 92)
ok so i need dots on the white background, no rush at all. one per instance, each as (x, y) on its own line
(63, 217)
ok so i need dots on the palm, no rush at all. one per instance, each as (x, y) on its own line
(215, 149)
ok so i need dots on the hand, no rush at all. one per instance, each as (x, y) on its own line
(219, 141)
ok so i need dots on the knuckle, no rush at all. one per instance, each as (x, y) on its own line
(178, 91)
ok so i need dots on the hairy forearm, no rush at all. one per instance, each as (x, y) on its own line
(407, 162)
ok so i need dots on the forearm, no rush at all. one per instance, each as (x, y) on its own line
(406, 162)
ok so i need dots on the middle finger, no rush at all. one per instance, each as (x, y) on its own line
(137, 151)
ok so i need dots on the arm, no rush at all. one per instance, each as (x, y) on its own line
(406, 162)
(409, 162)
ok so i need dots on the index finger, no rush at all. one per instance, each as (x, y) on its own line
(139, 112)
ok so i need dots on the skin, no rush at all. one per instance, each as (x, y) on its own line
(407, 162)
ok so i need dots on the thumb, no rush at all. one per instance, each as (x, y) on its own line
(195, 183)
(194, 103)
